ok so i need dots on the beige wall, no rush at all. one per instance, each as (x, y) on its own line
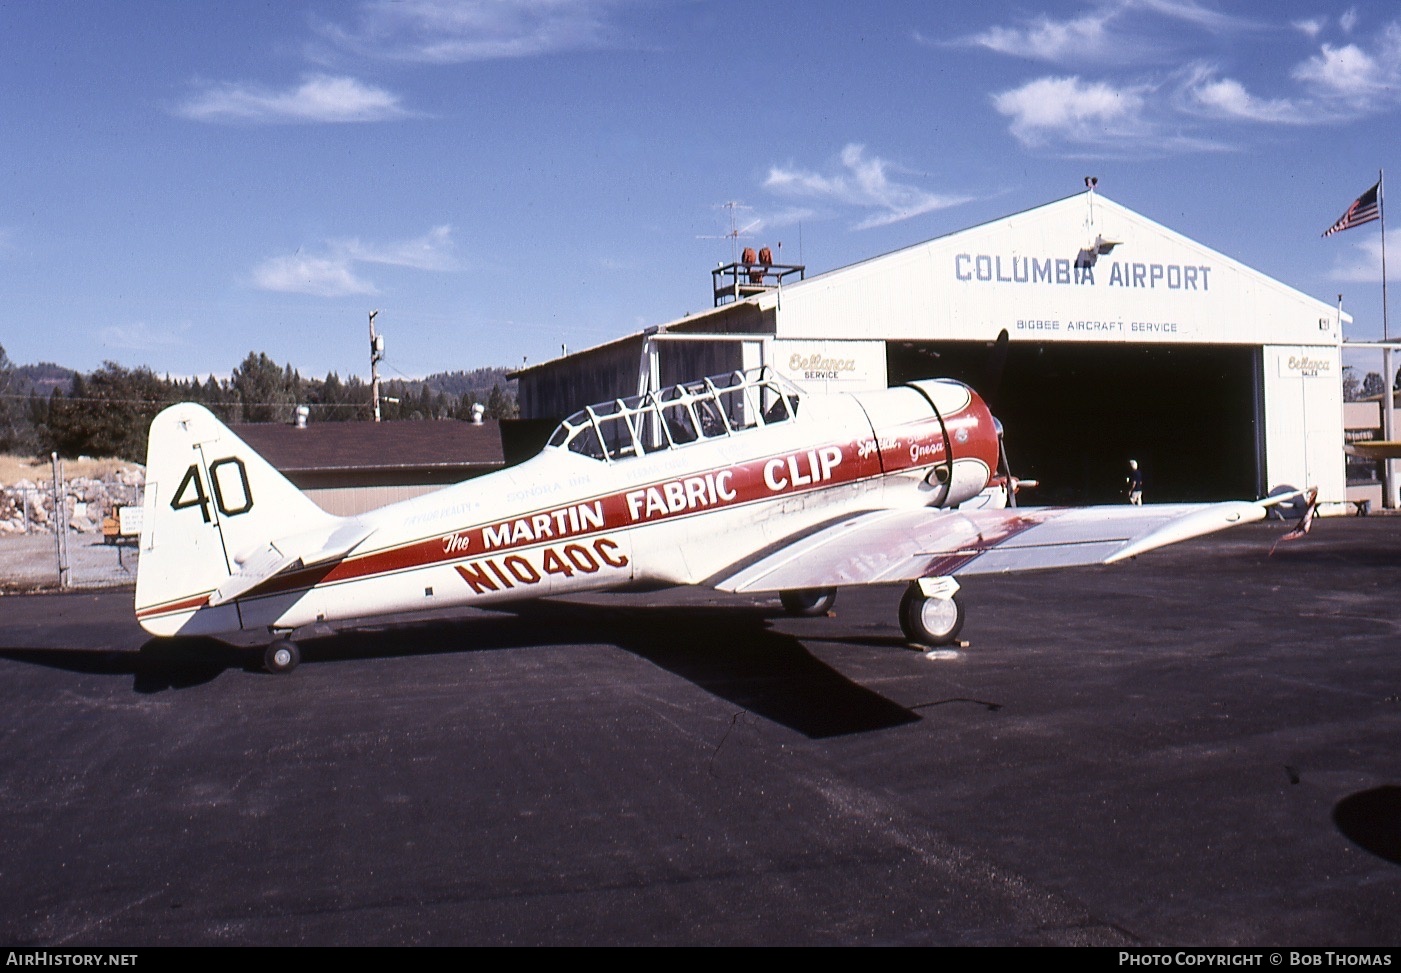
(348, 501)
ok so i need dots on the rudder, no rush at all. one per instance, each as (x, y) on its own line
(211, 501)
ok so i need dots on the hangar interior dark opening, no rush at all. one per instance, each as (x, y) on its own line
(1075, 414)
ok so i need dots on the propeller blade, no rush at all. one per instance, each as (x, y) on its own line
(1004, 469)
(997, 362)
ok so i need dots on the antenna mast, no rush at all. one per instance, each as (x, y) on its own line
(376, 353)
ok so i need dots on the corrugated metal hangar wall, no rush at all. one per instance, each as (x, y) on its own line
(1127, 340)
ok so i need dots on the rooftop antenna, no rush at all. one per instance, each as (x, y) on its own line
(736, 231)
(1090, 183)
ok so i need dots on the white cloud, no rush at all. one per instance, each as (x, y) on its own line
(1111, 31)
(863, 182)
(319, 98)
(450, 32)
(1346, 72)
(335, 272)
(140, 336)
(1337, 83)
(1071, 109)
(432, 251)
(1311, 27)
(1227, 98)
(788, 216)
(317, 276)
(1363, 264)
(1135, 104)
(1050, 40)
(1192, 12)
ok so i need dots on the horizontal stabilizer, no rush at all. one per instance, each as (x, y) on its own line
(291, 553)
(903, 545)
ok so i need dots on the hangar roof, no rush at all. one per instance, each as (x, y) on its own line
(1081, 268)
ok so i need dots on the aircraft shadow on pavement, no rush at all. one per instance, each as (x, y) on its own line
(160, 664)
(1372, 820)
(730, 652)
(734, 654)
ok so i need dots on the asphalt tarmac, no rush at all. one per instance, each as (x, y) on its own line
(1200, 747)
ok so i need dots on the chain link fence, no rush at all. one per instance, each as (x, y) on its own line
(70, 533)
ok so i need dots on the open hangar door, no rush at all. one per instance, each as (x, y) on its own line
(1075, 414)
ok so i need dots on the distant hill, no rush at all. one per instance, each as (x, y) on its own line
(43, 377)
(478, 381)
(47, 376)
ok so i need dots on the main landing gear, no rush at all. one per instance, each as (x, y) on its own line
(282, 656)
(930, 611)
(808, 602)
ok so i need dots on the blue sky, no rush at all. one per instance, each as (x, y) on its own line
(188, 182)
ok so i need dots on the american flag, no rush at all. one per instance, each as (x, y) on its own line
(1364, 209)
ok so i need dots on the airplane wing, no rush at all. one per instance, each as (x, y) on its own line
(904, 545)
(290, 553)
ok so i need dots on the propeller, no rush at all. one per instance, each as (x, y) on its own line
(997, 364)
(1004, 468)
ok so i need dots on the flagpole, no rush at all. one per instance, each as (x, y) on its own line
(1381, 215)
(1390, 484)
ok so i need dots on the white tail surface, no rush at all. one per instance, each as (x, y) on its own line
(212, 506)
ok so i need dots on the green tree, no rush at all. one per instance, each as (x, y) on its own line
(501, 404)
(265, 392)
(14, 429)
(329, 394)
(107, 413)
(1352, 388)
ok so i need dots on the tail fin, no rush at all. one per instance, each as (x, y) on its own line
(211, 504)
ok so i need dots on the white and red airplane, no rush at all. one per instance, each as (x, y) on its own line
(740, 482)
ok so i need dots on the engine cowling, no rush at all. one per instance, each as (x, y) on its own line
(941, 433)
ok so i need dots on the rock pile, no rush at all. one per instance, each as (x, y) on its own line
(28, 507)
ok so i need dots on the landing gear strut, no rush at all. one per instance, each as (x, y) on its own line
(931, 613)
(282, 656)
(808, 602)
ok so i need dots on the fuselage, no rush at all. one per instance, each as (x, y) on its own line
(664, 489)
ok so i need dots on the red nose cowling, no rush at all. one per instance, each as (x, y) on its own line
(960, 440)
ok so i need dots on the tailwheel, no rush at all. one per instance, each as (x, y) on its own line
(282, 656)
(930, 619)
(808, 602)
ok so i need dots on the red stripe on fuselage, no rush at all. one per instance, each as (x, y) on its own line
(174, 607)
(771, 477)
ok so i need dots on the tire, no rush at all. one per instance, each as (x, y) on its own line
(930, 621)
(808, 602)
(282, 656)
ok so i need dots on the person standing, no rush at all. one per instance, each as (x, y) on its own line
(1134, 482)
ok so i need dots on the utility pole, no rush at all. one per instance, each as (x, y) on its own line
(376, 353)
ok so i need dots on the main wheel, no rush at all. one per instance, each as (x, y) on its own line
(930, 621)
(808, 602)
(282, 656)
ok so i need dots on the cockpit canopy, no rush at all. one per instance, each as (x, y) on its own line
(676, 416)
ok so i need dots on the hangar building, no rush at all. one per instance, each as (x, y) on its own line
(1127, 340)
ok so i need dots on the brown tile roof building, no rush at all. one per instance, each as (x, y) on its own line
(429, 447)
